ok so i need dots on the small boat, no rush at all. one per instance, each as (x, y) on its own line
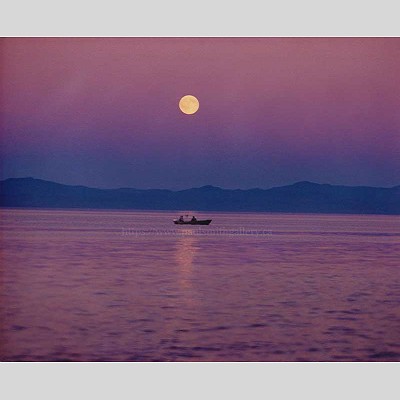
(180, 221)
(197, 222)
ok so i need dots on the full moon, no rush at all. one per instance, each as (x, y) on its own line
(189, 104)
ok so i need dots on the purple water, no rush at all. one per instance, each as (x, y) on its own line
(131, 286)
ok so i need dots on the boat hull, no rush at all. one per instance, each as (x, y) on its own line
(199, 222)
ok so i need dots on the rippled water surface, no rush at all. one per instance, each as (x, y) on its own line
(131, 286)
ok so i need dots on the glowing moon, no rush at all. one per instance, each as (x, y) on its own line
(189, 104)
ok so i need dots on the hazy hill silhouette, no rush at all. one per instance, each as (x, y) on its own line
(306, 197)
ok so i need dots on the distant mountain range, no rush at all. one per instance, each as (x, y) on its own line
(301, 197)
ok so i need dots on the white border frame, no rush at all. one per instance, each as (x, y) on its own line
(199, 18)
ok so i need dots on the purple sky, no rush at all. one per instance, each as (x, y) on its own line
(104, 112)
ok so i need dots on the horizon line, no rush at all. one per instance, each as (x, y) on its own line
(203, 186)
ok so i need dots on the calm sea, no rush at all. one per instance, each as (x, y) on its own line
(131, 286)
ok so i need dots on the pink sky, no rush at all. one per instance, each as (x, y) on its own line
(104, 112)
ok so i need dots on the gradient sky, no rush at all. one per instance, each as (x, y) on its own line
(273, 111)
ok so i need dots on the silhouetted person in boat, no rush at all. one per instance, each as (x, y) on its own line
(193, 219)
(180, 218)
